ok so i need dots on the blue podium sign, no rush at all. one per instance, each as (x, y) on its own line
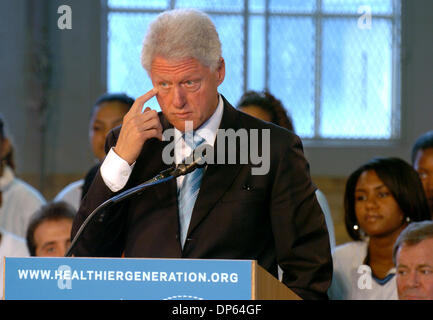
(125, 278)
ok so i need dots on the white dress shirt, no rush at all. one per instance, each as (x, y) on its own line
(115, 171)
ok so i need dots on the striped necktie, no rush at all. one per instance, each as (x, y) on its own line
(188, 192)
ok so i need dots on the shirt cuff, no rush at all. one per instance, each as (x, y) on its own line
(115, 171)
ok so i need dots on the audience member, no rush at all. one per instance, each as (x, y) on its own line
(10, 246)
(107, 113)
(422, 161)
(264, 106)
(49, 232)
(413, 257)
(381, 198)
(19, 200)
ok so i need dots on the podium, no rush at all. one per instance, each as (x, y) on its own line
(36, 278)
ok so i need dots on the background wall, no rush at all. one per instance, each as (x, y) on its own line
(53, 150)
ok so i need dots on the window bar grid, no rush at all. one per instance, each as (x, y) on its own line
(318, 16)
(246, 42)
(267, 53)
(396, 84)
(317, 68)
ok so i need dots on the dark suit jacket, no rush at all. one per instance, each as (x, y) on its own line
(273, 218)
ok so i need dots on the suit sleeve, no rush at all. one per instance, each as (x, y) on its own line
(104, 235)
(301, 236)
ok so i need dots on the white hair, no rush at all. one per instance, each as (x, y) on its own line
(413, 234)
(179, 34)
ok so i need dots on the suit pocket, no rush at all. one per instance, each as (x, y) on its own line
(246, 194)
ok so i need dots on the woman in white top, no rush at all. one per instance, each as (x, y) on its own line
(107, 113)
(18, 200)
(381, 198)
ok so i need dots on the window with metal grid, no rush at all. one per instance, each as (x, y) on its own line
(333, 63)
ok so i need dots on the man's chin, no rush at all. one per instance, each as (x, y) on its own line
(182, 124)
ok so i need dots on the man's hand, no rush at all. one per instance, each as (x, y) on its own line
(137, 128)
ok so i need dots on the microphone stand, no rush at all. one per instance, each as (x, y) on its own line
(163, 176)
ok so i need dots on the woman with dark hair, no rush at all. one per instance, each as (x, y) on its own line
(381, 198)
(265, 106)
(18, 200)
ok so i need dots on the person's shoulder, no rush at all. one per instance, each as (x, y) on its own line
(71, 193)
(349, 249)
(28, 191)
(14, 245)
(72, 187)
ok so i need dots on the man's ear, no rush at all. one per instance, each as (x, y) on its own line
(5, 148)
(221, 71)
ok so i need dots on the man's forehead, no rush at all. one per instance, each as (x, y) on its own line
(161, 66)
(420, 253)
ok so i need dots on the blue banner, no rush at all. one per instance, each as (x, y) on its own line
(132, 279)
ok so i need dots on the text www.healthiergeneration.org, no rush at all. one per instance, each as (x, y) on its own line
(66, 273)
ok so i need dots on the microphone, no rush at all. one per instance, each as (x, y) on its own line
(191, 163)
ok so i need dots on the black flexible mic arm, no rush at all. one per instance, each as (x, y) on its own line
(163, 176)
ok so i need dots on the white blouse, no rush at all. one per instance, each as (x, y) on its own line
(353, 280)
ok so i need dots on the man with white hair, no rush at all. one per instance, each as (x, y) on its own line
(222, 211)
(413, 257)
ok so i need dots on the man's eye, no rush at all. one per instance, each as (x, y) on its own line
(191, 84)
(164, 85)
(422, 175)
(51, 249)
(401, 272)
(426, 271)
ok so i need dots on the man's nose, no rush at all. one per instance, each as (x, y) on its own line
(412, 279)
(178, 97)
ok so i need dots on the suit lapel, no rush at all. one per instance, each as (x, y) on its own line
(218, 177)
